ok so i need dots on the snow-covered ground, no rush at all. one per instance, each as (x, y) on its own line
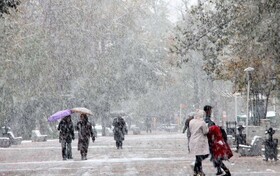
(146, 154)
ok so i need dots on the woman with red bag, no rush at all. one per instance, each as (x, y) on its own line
(219, 149)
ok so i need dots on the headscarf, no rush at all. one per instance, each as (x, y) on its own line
(199, 114)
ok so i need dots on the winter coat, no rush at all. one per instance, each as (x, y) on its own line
(66, 131)
(198, 140)
(120, 129)
(219, 148)
(85, 131)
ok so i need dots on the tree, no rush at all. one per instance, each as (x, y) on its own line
(233, 35)
(61, 54)
(6, 5)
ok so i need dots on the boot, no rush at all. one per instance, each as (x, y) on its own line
(195, 173)
(69, 156)
(64, 156)
(227, 173)
(225, 169)
(200, 174)
(82, 156)
(219, 171)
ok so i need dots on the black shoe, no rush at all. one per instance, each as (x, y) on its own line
(64, 159)
(219, 172)
(227, 173)
(200, 174)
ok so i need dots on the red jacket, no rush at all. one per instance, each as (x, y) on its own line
(218, 147)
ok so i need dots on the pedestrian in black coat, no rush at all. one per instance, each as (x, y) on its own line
(85, 132)
(119, 130)
(66, 135)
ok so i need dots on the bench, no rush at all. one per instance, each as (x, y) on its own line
(6, 132)
(14, 140)
(255, 149)
(36, 136)
(5, 142)
(136, 130)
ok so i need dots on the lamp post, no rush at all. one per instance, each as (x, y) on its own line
(248, 70)
(236, 94)
(273, 81)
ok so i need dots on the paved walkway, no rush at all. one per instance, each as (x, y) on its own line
(156, 154)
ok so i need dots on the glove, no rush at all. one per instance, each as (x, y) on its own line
(93, 139)
(73, 138)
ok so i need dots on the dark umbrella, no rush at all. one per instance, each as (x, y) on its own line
(59, 115)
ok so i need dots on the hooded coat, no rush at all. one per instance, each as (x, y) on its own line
(198, 140)
(85, 131)
(219, 147)
(120, 129)
(66, 130)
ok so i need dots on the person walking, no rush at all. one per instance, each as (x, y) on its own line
(148, 123)
(219, 148)
(198, 141)
(85, 131)
(66, 135)
(186, 127)
(208, 112)
(119, 130)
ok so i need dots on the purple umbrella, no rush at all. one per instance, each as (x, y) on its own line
(59, 115)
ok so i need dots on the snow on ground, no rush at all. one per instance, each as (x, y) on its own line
(146, 154)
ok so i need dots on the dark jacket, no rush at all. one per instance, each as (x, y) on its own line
(209, 121)
(66, 130)
(120, 128)
(85, 131)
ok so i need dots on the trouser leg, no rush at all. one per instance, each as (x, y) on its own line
(217, 165)
(223, 166)
(69, 150)
(120, 144)
(82, 155)
(220, 165)
(63, 147)
(198, 163)
(86, 151)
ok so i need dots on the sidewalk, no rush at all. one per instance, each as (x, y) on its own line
(156, 154)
